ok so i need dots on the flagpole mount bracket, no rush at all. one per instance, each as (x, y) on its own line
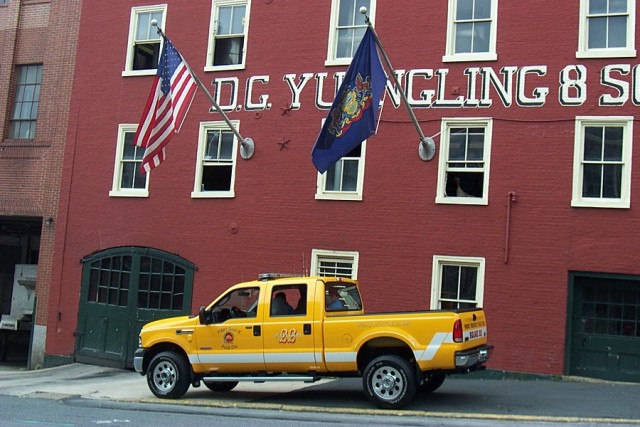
(247, 148)
(426, 148)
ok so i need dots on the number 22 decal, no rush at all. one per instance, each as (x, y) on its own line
(288, 336)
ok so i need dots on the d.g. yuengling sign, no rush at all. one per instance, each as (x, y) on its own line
(525, 86)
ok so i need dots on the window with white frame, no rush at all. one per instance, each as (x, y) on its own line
(607, 29)
(215, 172)
(457, 282)
(228, 35)
(27, 99)
(471, 31)
(334, 263)
(602, 162)
(346, 29)
(344, 180)
(463, 172)
(145, 43)
(128, 181)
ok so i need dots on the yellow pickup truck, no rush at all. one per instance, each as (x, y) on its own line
(306, 328)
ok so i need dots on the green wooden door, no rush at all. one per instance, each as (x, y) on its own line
(604, 339)
(122, 289)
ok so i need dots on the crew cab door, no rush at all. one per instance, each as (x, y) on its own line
(229, 336)
(289, 329)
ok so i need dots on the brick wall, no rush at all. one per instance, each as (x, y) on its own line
(37, 32)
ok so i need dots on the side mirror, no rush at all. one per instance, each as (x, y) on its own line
(202, 315)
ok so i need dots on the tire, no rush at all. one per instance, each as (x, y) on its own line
(389, 382)
(432, 382)
(169, 375)
(223, 386)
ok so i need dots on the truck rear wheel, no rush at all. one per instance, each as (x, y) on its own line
(389, 382)
(169, 375)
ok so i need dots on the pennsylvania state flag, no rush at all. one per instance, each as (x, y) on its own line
(352, 117)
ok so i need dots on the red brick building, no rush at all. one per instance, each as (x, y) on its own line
(37, 47)
(529, 207)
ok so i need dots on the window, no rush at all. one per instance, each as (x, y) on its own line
(228, 35)
(344, 180)
(25, 108)
(109, 280)
(607, 29)
(215, 172)
(162, 284)
(346, 29)
(240, 302)
(334, 263)
(463, 174)
(144, 41)
(457, 282)
(289, 300)
(471, 30)
(128, 181)
(602, 162)
(342, 296)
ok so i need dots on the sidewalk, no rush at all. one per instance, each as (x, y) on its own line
(569, 400)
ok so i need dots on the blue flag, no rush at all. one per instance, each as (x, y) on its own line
(352, 117)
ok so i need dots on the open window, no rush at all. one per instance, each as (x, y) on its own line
(145, 43)
(228, 35)
(215, 171)
(238, 303)
(463, 174)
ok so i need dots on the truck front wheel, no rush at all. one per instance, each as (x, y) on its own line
(389, 382)
(168, 375)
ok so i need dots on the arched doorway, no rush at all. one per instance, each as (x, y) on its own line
(122, 289)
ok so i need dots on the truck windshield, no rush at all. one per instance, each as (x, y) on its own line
(342, 296)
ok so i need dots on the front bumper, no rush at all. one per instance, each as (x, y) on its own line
(473, 358)
(138, 360)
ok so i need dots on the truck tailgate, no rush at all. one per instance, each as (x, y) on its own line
(474, 327)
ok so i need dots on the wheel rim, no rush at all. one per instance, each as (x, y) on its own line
(164, 376)
(387, 383)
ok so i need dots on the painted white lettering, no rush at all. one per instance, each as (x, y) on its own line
(442, 85)
(573, 91)
(296, 90)
(636, 85)
(320, 103)
(232, 102)
(621, 86)
(426, 96)
(262, 100)
(503, 88)
(539, 93)
(472, 78)
(393, 91)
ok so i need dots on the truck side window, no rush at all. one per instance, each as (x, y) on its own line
(237, 303)
(289, 300)
(340, 296)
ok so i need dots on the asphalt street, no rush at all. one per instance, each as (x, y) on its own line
(553, 399)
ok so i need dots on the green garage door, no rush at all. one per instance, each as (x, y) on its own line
(122, 289)
(604, 330)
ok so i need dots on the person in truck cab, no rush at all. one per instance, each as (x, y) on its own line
(280, 306)
(334, 302)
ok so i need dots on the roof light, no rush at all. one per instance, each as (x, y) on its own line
(271, 276)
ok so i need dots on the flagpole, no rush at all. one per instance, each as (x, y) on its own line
(427, 147)
(247, 146)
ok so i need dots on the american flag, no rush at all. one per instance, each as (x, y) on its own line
(173, 90)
